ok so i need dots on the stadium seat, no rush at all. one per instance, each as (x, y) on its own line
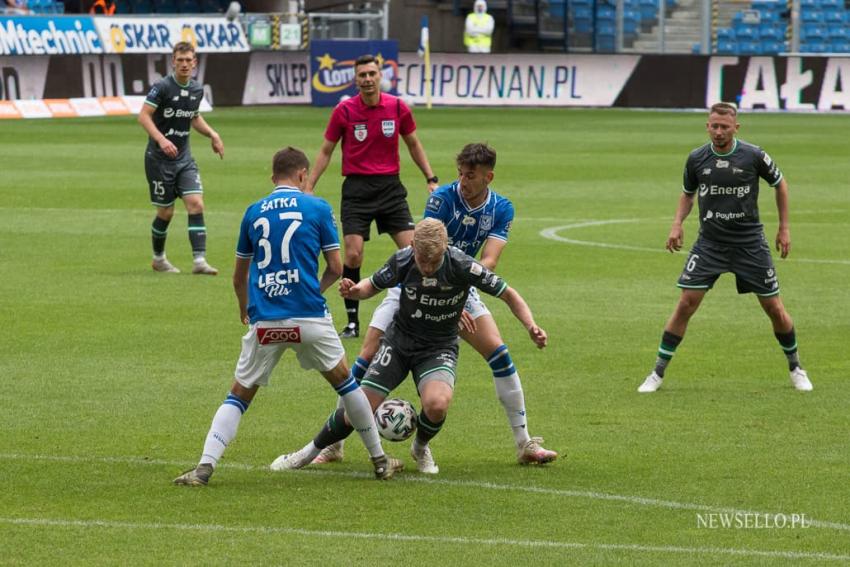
(771, 32)
(605, 12)
(838, 32)
(749, 47)
(833, 16)
(773, 47)
(813, 31)
(582, 25)
(583, 13)
(813, 47)
(746, 32)
(725, 34)
(727, 46)
(839, 47)
(812, 15)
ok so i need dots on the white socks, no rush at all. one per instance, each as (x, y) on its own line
(509, 392)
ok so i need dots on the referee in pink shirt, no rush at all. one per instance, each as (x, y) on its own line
(369, 126)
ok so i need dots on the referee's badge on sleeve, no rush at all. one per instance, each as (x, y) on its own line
(388, 127)
(360, 132)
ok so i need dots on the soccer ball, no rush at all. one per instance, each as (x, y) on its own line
(396, 419)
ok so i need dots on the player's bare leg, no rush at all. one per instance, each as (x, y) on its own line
(487, 341)
(674, 332)
(783, 330)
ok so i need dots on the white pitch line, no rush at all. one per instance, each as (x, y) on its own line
(551, 233)
(448, 539)
(589, 494)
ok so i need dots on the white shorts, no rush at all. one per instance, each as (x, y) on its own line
(383, 315)
(314, 340)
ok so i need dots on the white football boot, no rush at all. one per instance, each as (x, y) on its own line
(331, 454)
(424, 460)
(531, 452)
(651, 384)
(800, 379)
(164, 266)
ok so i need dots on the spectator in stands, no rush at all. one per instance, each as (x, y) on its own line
(16, 7)
(478, 34)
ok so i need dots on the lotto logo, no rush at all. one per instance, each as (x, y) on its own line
(275, 335)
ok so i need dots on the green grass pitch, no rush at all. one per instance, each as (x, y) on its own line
(111, 373)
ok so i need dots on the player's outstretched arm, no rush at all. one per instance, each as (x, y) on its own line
(333, 269)
(522, 312)
(783, 235)
(146, 120)
(240, 286)
(361, 290)
(417, 153)
(323, 158)
(200, 125)
(677, 234)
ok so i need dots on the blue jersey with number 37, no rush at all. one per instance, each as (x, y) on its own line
(468, 227)
(283, 234)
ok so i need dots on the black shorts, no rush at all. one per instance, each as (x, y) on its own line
(381, 198)
(391, 364)
(752, 265)
(169, 179)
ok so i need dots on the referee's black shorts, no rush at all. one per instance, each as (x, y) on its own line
(381, 198)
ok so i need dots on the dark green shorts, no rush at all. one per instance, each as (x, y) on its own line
(391, 364)
(169, 179)
(752, 265)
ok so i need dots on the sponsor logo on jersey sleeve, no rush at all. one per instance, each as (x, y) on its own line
(767, 161)
(434, 204)
(476, 269)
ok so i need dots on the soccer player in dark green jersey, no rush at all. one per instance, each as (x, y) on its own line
(168, 115)
(724, 176)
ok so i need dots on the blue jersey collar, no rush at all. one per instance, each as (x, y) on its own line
(466, 205)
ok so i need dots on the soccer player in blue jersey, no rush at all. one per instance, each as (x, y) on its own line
(279, 291)
(477, 220)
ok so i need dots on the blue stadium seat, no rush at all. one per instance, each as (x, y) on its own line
(813, 31)
(813, 47)
(605, 12)
(832, 3)
(812, 15)
(771, 32)
(725, 34)
(746, 31)
(583, 13)
(583, 25)
(839, 46)
(749, 47)
(832, 15)
(727, 46)
(772, 47)
(838, 32)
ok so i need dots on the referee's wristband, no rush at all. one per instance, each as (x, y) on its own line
(434, 179)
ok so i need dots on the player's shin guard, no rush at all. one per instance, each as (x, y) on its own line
(159, 232)
(360, 415)
(352, 306)
(426, 430)
(198, 235)
(788, 342)
(509, 391)
(666, 350)
(335, 429)
(223, 428)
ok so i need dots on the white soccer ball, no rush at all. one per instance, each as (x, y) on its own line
(396, 419)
